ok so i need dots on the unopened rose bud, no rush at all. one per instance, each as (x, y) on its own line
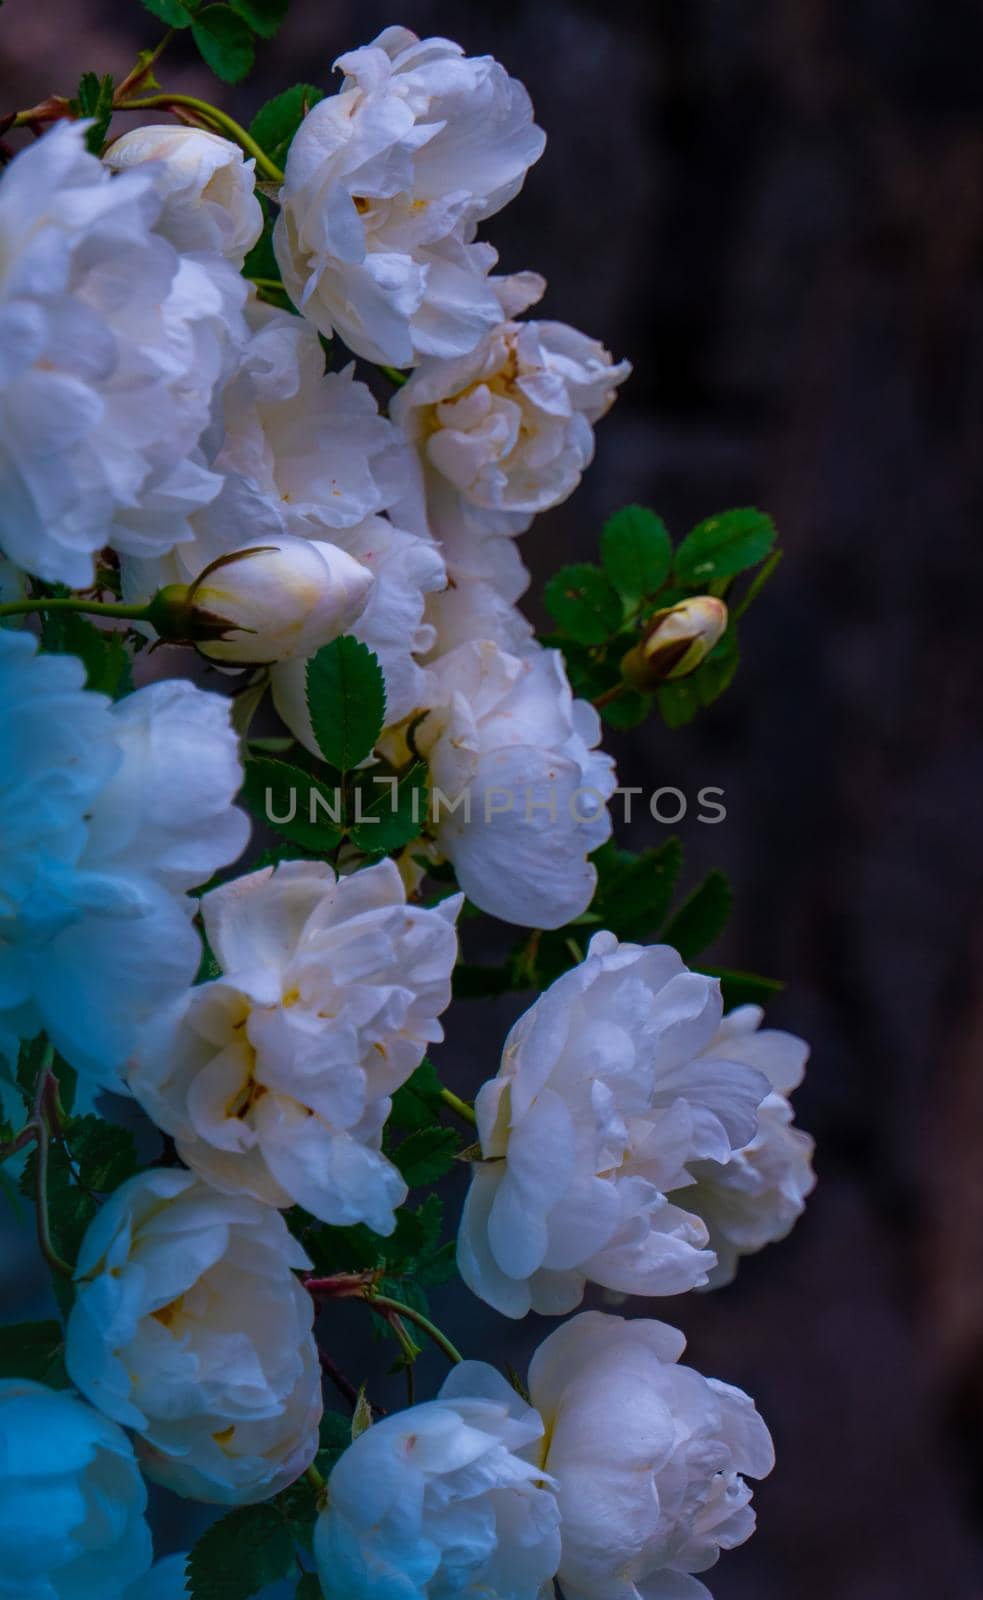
(267, 602)
(676, 642)
(205, 183)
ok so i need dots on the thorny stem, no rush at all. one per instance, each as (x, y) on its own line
(45, 1108)
(209, 113)
(461, 1107)
(363, 1286)
(384, 1302)
(341, 1285)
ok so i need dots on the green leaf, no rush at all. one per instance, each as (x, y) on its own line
(439, 1267)
(309, 1587)
(702, 918)
(335, 1432)
(275, 124)
(30, 1060)
(392, 811)
(637, 552)
(724, 545)
(280, 795)
(240, 1554)
(636, 890)
(95, 99)
(678, 702)
(346, 698)
(104, 1153)
(34, 1350)
(172, 12)
(582, 602)
(628, 711)
(744, 988)
(416, 1101)
(224, 41)
(263, 16)
(426, 1155)
(102, 652)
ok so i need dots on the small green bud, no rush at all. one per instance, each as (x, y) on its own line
(676, 641)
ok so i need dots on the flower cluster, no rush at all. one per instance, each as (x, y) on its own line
(185, 445)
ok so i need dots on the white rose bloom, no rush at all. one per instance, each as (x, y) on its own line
(207, 186)
(190, 1328)
(757, 1195)
(385, 185)
(72, 1499)
(607, 1089)
(509, 426)
(523, 789)
(285, 598)
(275, 1079)
(442, 1500)
(648, 1458)
(113, 346)
(108, 815)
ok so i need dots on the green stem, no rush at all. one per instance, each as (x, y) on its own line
(220, 119)
(98, 608)
(384, 1303)
(458, 1105)
(315, 1478)
(395, 376)
(761, 578)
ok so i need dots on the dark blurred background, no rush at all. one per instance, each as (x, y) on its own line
(775, 209)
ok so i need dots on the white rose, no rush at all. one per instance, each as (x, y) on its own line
(190, 1328)
(607, 1089)
(113, 348)
(207, 186)
(509, 426)
(275, 1079)
(72, 1521)
(757, 1195)
(385, 185)
(647, 1458)
(441, 1501)
(108, 815)
(523, 790)
(269, 602)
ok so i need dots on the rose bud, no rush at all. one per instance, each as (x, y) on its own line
(676, 642)
(266, 602)
(206, 185)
